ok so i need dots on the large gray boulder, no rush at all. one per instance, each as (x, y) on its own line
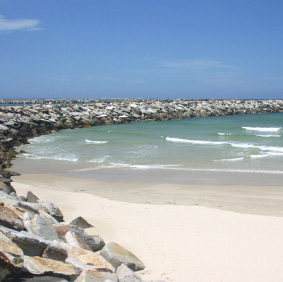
(52, 209)
(94, 242)
(117, 255)
(125, 274)
(33, 245)
(39, 226)
(97, 276)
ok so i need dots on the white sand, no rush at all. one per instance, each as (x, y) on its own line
(181, 243)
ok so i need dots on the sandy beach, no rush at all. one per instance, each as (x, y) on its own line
(180, 232)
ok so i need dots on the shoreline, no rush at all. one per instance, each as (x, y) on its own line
(247, 199)
(175, 242)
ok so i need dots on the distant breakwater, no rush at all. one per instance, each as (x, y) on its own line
(19, 123)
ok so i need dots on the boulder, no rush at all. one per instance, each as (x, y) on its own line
(52, 209)
(75, 240)
(94, 242)
(9, 219)
(81, 222)
(55, 252)
(33, 245)
(31, 198)
(5, 185)
(97, 276)
(35, 278)
(11, 257)
(39, 226)
(48, 217)
(117, 255)
(125, 274)
(83, 259)
(43, 266)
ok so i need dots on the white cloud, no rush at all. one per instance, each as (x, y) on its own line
(198, 63)
(18, 24)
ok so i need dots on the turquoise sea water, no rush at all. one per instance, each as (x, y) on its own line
(230, 143)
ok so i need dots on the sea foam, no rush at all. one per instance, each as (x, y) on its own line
(264, 129)
(95, 142)
(179, 140)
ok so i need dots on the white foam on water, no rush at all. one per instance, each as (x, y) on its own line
(139, 166)
(99, 160)
(42, 139)
(268, 135)
(56, 158)
(266, 129)
(238, 170)
(259, 156)
(231, 160)
(178, 140)
(233, 144)
(95, 142)
(225, 134)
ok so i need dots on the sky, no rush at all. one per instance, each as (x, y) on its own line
(141, 49)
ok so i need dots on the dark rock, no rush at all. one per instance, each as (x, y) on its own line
(35, 278)
(80, 222)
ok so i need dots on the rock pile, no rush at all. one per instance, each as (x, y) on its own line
(37, 245)
(19, 123)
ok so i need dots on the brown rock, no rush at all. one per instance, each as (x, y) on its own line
(11, 257)
(97, 276)
(10, 219)
(43, 266)
(84, 259)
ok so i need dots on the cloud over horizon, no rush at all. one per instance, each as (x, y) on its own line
(18, 24)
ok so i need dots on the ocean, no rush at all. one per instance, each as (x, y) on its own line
(242, 143)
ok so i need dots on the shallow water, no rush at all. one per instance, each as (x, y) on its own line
(249, 143)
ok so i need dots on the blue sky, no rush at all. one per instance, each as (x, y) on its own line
(141, 48)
